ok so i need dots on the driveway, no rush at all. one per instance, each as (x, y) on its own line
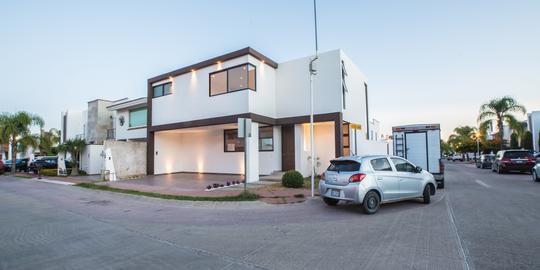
(480, 221)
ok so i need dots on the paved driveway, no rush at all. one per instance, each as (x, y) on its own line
(481, 221)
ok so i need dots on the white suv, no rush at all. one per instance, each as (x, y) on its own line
(372, 180)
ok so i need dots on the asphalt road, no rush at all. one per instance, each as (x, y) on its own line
(480, 221)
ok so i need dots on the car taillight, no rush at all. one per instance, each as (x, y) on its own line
(505, 160)
(356, 178)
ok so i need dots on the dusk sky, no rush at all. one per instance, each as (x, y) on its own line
(426, 61)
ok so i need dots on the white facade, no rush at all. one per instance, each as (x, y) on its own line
(533, 123)
(187, 125)
(122, 124)
(73, 125)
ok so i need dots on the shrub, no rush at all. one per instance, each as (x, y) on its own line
(81, 173)
(292, 179)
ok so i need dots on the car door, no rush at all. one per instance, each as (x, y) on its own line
(410, 181)
(386, 178)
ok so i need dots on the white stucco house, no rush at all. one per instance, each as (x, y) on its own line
(192, 115)
(533, 123)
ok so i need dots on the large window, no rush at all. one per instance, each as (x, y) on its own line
(137, 117)
(233, 79)
(266, 138)
(344, 89)
(234, 144)
(162, 89)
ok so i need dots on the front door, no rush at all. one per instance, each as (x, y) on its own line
(386, 177)
(287, 148)
(410, 182)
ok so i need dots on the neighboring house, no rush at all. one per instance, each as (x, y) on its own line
(130, 118)
(73, 125)
(533, 119)
(193, 112)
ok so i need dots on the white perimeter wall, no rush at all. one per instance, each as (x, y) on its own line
(201, 150)
(324, 147)
(534, 128)
(91, 160)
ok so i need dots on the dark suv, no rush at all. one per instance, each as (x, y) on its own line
(513, 160)
(43, 163)
(21, 164)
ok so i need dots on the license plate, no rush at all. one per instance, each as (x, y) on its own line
(519, 161)
(335, 193)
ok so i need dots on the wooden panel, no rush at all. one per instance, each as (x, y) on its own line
(287, 148)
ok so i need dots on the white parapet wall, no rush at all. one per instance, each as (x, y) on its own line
(91, 160)
(129, 158)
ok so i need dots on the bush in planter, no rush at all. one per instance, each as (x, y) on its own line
(292, 179)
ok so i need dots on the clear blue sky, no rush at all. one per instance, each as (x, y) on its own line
(427, 61)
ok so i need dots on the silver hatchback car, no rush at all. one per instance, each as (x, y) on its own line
(372, 180)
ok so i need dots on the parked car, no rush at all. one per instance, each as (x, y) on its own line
(45, 162)
(2, 167)
(513, 160)
(21, 164)
(372, 180)
(485, 161)
(457, 158)
(536, 172)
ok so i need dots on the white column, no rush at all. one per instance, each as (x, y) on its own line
(252, 154)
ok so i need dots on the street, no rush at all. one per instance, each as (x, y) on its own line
(481, 220)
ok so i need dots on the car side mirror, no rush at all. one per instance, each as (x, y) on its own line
(418, 169)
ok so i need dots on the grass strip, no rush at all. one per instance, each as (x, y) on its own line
(244, 196)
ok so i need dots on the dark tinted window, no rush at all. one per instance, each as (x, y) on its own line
(344, 166)
(517, 154)
(381, 164)
(402, 165)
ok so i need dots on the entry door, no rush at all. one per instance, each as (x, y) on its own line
(416, 144)
(287, 148)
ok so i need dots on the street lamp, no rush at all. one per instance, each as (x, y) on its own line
(477, 143)
(312, 73)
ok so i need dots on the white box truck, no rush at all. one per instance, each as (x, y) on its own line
(421, 145)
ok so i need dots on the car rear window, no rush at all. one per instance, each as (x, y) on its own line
(517, 154)
(343, 166)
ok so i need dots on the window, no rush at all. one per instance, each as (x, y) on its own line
(266, 138)
(233, 79)
(162, 89)
(137, 117)
(402, 165)
(345, 139)
(232, 142)
(381, 164)
(344, 88)
(343, 166)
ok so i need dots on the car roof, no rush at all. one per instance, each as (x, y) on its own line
(361, 157)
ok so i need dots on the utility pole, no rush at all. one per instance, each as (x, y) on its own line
(312, 73)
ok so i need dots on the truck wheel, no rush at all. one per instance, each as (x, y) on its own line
(371, 203)
(427, 194)
(441, 184)
(330, 201)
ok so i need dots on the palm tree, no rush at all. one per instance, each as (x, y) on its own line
(500, 110)
(17, 126)
(48, 141)
(463, 140)
(75, 147)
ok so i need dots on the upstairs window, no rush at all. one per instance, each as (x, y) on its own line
(344, 89)
(162, 89)
(137, 117)
(233, 79)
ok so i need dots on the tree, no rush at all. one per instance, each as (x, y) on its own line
(514, 144)
(75, 147)
(17, 126)
(463, 140)
(527, 141)
(48, 141)
(500, 110)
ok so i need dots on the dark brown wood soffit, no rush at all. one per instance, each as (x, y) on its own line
(255, 117)
(213, 61)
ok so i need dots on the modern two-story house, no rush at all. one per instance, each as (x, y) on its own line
(192, 115)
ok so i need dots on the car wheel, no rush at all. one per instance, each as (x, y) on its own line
(371, 203)
(427, 194)
(330, 201)
(535, 176)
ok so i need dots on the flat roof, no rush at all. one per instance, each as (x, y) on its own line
(215, 60)
(128, 104)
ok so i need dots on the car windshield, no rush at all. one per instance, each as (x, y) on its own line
(343, 166)
(517, 154)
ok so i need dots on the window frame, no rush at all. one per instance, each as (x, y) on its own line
(162, 90)
(392, 168)
(247, 64)
(404, 160)
(271, 128)
(225, 141)
(135, 110)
